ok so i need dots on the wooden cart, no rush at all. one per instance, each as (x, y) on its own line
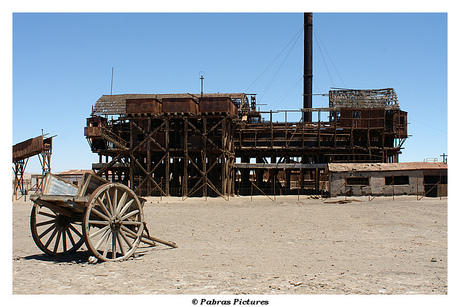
(107, 217)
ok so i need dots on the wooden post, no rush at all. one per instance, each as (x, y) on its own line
(185, 181)
(271, 129)
(285, 129)
(203, 159)
(335, 130)
(369, 139)
(223, 158)
(319, 130)
(439, 185)
(316, 181)
(131, 155)
(393, 177)
(167, 162)
(298, 188)
(149, 154)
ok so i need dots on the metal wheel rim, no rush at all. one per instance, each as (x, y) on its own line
(113, 223)
(54, 233)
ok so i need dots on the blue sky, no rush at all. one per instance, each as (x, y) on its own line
(62, 64)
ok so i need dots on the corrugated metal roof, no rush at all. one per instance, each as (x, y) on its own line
(373, 167)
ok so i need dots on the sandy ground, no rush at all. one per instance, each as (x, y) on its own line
(257, 247)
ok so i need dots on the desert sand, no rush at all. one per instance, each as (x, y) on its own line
(258, 246)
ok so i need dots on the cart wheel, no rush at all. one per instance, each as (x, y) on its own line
(55, 234)
(113, 222)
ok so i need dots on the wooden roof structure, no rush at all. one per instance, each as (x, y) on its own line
(353, 98)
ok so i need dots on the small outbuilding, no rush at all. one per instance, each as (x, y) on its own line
(410, 178)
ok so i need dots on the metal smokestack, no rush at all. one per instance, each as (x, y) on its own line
(308, 66)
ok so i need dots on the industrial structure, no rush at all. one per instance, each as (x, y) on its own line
(221, 144)
(218, 144)
(41, 146)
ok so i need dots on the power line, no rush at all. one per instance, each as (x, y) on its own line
(413, 120)
(284, 96)
(295, 37)
(415, 93)
(327, 53)
(279, 68)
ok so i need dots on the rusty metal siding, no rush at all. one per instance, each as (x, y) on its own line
(217, 104)
(28, 148)
(96, 121)
(362, 118)
(400, 124)
(143, 105)
(93, 131)
(180, 105)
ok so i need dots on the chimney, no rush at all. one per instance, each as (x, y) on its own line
(308, 66)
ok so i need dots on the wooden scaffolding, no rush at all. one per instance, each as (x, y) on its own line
(218, 144)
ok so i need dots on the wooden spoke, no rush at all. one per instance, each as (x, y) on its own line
(114, 244)
(69, 234)
(122, 202)
(133, 223)
(107, 245)
(115, 200)
(56, 243)
(94, 222)
(47, 231)
(105, 217)
(46, 223)
(47, 214)
(100, 231)
(64, 239)
(122, 248)
(104, 208)
(75, 231)
(127, 216)
(50, 239)
(104, 237)
(113, 222)
(123, 235)
(123, 211)
(109, 202)
(52, 231)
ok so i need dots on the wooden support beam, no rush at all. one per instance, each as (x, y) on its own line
(167, 161)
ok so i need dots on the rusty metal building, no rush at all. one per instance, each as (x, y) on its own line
(219, 144)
